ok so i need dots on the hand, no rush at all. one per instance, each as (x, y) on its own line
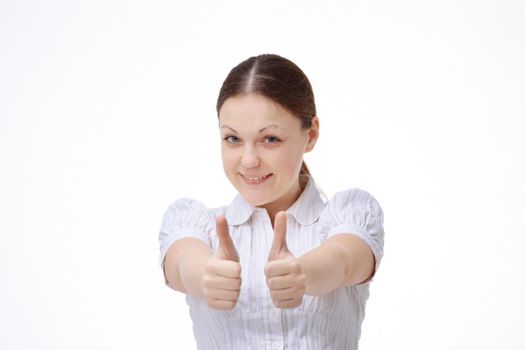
(221, 281)
(284, 274)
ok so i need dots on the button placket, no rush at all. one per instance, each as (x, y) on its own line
(274, 321)
(275, 315)
(276, 327)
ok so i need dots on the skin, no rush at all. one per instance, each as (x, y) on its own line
(259, 138)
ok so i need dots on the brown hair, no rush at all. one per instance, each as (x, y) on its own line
(276, 78)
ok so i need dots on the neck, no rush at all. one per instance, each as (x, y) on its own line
(286, 202)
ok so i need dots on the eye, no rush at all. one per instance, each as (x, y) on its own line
(271, 140)
(231, 139)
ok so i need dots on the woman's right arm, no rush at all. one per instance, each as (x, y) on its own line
(191, 267)
(185, 264)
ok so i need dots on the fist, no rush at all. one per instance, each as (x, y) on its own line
(221, 281)
(284, 274)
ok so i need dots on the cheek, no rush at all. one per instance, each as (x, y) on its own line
(228, 157)
(291, 157)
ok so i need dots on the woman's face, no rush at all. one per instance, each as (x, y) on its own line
(262, 150)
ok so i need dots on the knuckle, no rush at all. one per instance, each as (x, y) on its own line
(232, 287)
(290, 304)
(214, 304)
(273, 284)
(209, 266)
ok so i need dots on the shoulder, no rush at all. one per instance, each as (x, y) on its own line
(186, 205)
(353, 209)
(353, 198)
(191, 208)
(357, 212)
(185, 217)
(185, 210)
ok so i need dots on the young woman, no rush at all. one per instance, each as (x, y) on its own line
(278, 268)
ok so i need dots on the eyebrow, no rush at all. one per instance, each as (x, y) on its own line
(266, 127)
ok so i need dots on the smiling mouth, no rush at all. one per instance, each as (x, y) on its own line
(255, 180)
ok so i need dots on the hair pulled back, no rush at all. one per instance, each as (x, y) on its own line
(276, 78)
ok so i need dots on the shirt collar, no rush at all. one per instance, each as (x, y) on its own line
(308, 207)
(305, 210)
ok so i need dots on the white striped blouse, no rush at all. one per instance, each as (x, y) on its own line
(332, 321)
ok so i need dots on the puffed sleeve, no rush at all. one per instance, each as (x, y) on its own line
(357, 212)
(184, 218)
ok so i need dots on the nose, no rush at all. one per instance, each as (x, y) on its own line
(250, 158)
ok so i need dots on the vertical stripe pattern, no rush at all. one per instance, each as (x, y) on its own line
(332, 321)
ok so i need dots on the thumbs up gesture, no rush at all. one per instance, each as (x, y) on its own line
(221, 281)
(284, 274)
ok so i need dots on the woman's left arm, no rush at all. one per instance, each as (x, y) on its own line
(342, 260)
(351, 231)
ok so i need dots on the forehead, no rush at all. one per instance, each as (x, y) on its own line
(251, 111)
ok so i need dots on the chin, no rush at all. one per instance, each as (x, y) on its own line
(254, 200)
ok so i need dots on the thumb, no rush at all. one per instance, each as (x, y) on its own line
(279, 249)
(225, 247)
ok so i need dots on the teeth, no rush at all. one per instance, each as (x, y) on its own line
(254, 178)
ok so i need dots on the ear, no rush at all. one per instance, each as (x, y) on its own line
(313, 134)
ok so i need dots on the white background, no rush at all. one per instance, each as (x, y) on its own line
(107, 116)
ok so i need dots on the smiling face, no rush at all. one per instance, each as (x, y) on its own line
(262, 150)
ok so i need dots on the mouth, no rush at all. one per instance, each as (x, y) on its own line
(255, 180)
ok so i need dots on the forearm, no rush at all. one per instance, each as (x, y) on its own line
(343, 260)
(185, 265)
(324, 268)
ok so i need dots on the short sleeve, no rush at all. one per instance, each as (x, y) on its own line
(357, 212)
(184, 218)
